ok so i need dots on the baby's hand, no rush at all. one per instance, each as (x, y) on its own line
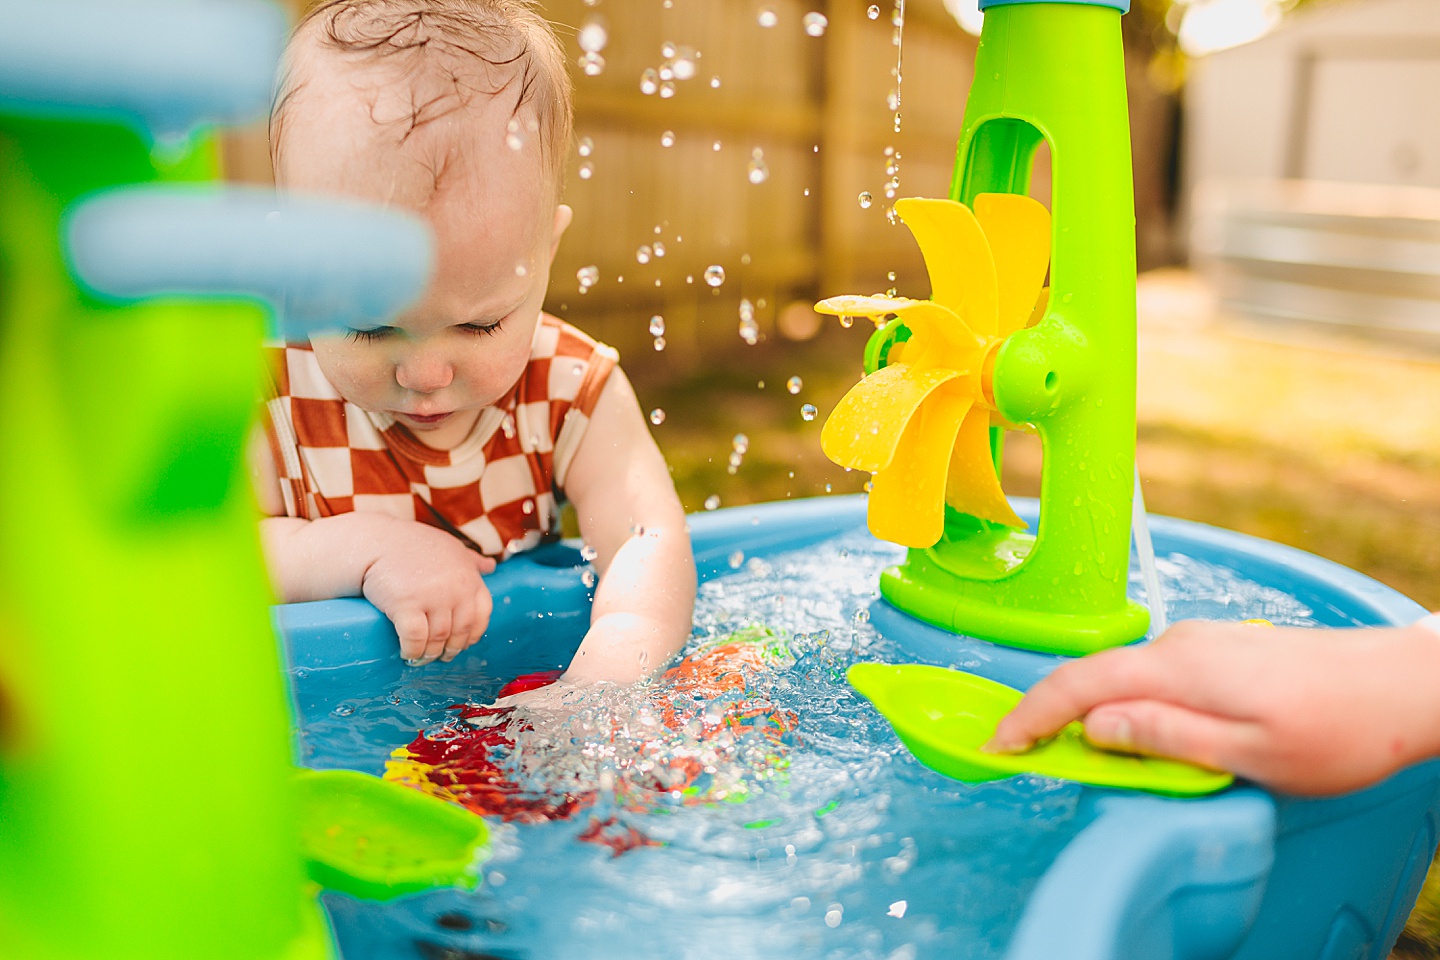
(1303, 711)
(430, 586)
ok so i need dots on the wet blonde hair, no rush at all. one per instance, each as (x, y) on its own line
(448, 51)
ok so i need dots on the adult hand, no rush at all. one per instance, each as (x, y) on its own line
(1302, 711)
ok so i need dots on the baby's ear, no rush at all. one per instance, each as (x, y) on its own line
(563, 216)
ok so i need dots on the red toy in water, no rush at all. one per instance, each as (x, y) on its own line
(706, 694)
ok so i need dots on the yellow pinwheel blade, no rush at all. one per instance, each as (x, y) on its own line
(972, 486)
(958, 258)
(907, 500)
(851, 305)
(1018, 230)
(864, 429)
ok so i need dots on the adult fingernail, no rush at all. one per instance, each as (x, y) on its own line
(1000, 745)
(1113, 731)
(415, 662)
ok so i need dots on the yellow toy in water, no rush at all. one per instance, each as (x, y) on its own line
(921, 423)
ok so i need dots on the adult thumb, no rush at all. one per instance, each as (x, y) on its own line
(1160, 729)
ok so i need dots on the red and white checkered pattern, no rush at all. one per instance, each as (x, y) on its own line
(499, 488)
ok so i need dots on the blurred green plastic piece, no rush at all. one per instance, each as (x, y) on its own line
(369, 838)
(1051, 73)
(944, 716)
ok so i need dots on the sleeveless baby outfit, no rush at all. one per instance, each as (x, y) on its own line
(499, 490)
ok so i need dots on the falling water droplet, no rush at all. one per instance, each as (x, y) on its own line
(528, 507)
(758, 171)
(892, 216)
(657, 416)
(815, 23)
(712, 502)
(588, 553)
(808, 412)
(588, 578)
(715, 83)
(892, 99)
(593, 35)
(588, 277)
(667, 89)
(586, 170)
(794, 384)
(890, 276)
(767, 17)
(865, 199)
(592, 64)
(345, 709)
(684, 62)
(642, 255)
(667, 139)
(847, 321)
(715, 146)
(521, 270)
(649, 81)
(741, 443)
(513, 140)
(585, 147)
(736, 559)
(873, 12)
(658, 249)
(659, 344)
(657, 326)
(749, 329)
(714, 275)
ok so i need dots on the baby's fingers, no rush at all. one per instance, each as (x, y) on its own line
(413, 629)
(1165, 730)
(484, 564)
(461, 628)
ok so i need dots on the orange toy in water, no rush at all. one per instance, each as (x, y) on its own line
(702, 698)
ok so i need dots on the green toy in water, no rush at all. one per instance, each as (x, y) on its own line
(374, 839)
(945, 716)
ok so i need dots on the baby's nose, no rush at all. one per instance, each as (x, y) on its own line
(424, 373)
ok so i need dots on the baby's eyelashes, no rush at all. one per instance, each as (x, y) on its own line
(482, 329)
(373, 333)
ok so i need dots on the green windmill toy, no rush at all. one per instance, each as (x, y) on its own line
(997, 349)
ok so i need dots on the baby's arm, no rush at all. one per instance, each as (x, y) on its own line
(423, 579)
(1303, 711)
(629, 513)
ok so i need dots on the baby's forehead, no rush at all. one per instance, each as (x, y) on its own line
(404, 133)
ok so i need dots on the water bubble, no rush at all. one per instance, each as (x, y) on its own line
(585, 147)
(794, 384)
(873, 12)
(588, 578)
(642, 255)
(715, 83)
(735, 560)
(815, 23)
(588, 277)
(808, 412)
(667, 139)
(659, 344)
(658, 249)
(592, 64)
(657, 416)
(712, 502)
(513, 140)
(586, 170)
(741, 443)
(667, 90)
(714, 275)
(345, 709)
(865, 199)
(649, 81)
(758, 171)
(657, 326)
(767, 17)
(593, 35)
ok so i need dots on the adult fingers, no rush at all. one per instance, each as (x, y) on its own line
(1077, 687)
(1162, 729)
(413, 629)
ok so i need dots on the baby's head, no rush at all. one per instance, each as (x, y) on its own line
(461, 111)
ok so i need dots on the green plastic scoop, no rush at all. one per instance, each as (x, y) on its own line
(369, 838)
(943, 716)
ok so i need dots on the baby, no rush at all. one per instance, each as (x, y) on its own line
(403, 461)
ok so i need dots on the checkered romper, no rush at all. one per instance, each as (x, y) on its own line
(497, 490)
